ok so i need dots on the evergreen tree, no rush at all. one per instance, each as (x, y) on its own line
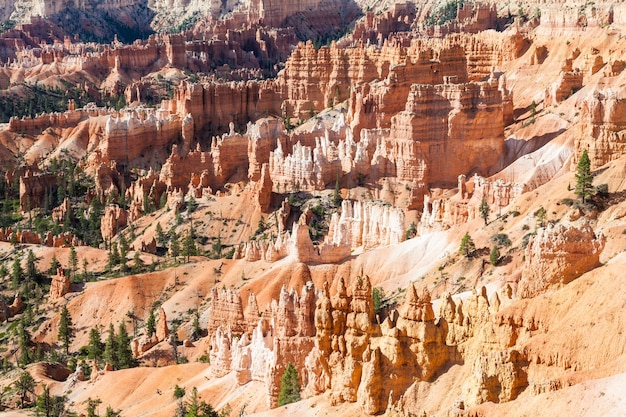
(584, 179)
(48, 405)
(111, 412)
(289, 386)
(124, 353)
(484, 210)
(31, 266)
(25, 384)
(189, 245)
(197, 408)
(73, 260)
(23, 342)
(151, 324)
(541, 217)
(216, 247)
(179, 394)
(110, 348)
(494, 256)
(467, 246)
(17, 274)
(123, 252)
(377, 298)
(96, 347)
(66, 331)
(85, 272)
(337, 199)
(195, 334)
(92, 406)
(137, 263)
(174, 246)
(160, 235)
(54, 265)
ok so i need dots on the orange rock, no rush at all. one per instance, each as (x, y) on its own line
(60, 285)
(557, 255)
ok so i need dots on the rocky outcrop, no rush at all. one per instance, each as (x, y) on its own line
(568, 83)
(368, 224)
(283, 335)
(60, 285)
(443, 212)
(462, 121)
(557, 255)
(114, 219)
(35, 188)
(137, 133)
(603, 127)
(8, 311)
(226, 311)
(302, 249)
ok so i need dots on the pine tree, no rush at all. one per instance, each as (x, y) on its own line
(541, 217)
(66, 332)
(484, 210)
(337, 193)
(48, 405)
(96, 348)
(124, 353)
(73, 260)
(92, 406)
(195, 334)
(467, 246)
(151, 324)
(31, 266)
(54, 265)
(189, 245)
(85, 272)
(137, 263)
(197, 408)
(289, 386)
(494, 256)
(17, 274)
(160, 235)
(110, 348)
(24, 385)
(123, 252)
(23, 342)
(174, 246)
(584, 179)
(111, 412)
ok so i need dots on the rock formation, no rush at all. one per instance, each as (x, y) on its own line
(557, 255)
(114, 219)
(441, 211)
(367, 224)
(602, 126)
(60, 285)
